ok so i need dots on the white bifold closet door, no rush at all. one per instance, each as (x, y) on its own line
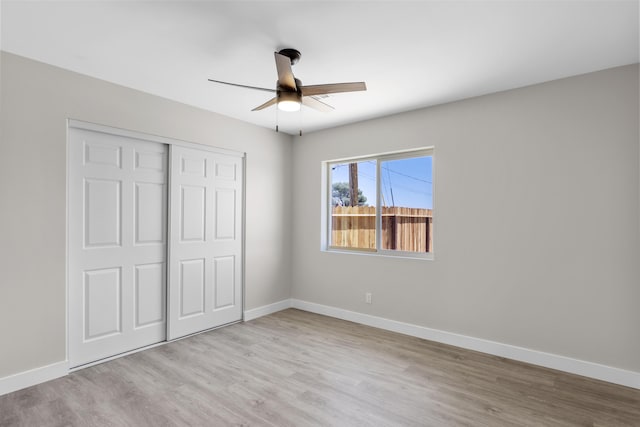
(205, 244)
(117, 244)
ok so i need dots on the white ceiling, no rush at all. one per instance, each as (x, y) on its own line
(411, 54)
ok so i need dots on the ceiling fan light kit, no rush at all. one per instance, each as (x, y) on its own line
(289, 101)
(290, 94)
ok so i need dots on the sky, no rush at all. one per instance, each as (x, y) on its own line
(405, 182)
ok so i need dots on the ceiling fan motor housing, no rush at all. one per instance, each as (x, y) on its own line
(279, 87)
(293, 54)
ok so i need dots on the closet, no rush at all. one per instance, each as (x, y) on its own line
(155, 240)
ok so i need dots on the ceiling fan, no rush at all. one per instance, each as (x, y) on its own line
(289, 91)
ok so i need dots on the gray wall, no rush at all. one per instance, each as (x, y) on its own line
(537, 240)
(36, 100)
(537, 228)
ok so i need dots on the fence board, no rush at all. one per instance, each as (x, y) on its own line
(403, 229)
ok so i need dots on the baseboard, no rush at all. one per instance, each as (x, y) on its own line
(254, 313)
(610, 374)
(35, 376)
(548, 360)
(31, 377)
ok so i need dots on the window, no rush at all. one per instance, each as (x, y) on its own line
(381, 204)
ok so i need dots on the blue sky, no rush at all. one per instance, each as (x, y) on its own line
(405, 182)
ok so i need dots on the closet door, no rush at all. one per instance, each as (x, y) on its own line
(117, 244)
(205, 244)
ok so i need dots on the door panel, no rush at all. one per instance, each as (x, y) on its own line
(205, 244)
(149, 294)
(102, 212)
(150, 212)
(192, 218)
(100, 154)
(150, 160)
(225, 207)
(102, 308)
(117, 244)
(226, 171)
(223, 271)
(193, 164)
(191, 287)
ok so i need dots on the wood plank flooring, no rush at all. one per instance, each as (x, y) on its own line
(295, 368)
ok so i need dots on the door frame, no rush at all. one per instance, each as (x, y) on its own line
(84, 125)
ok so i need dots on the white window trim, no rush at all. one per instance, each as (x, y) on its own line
(326, 205)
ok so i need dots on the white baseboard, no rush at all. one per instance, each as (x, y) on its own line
(548, 360)
(31, 377)
(254, 313)
(610, 374)
(36, 376)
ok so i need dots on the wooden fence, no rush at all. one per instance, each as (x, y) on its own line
(403, 229)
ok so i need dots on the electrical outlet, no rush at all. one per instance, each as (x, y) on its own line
(367, 297)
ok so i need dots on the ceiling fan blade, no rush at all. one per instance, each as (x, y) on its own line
(245, 86)
(316, 104)
(269, 103)
(332, 88)
(285, 75)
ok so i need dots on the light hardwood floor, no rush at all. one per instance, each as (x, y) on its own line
(294, 368)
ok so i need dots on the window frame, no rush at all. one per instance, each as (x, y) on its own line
(327, 204)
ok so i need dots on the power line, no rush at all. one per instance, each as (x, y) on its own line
(400, 173)
(408, 176)
(383, 181)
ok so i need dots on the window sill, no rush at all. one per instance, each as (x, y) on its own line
(384, 254)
